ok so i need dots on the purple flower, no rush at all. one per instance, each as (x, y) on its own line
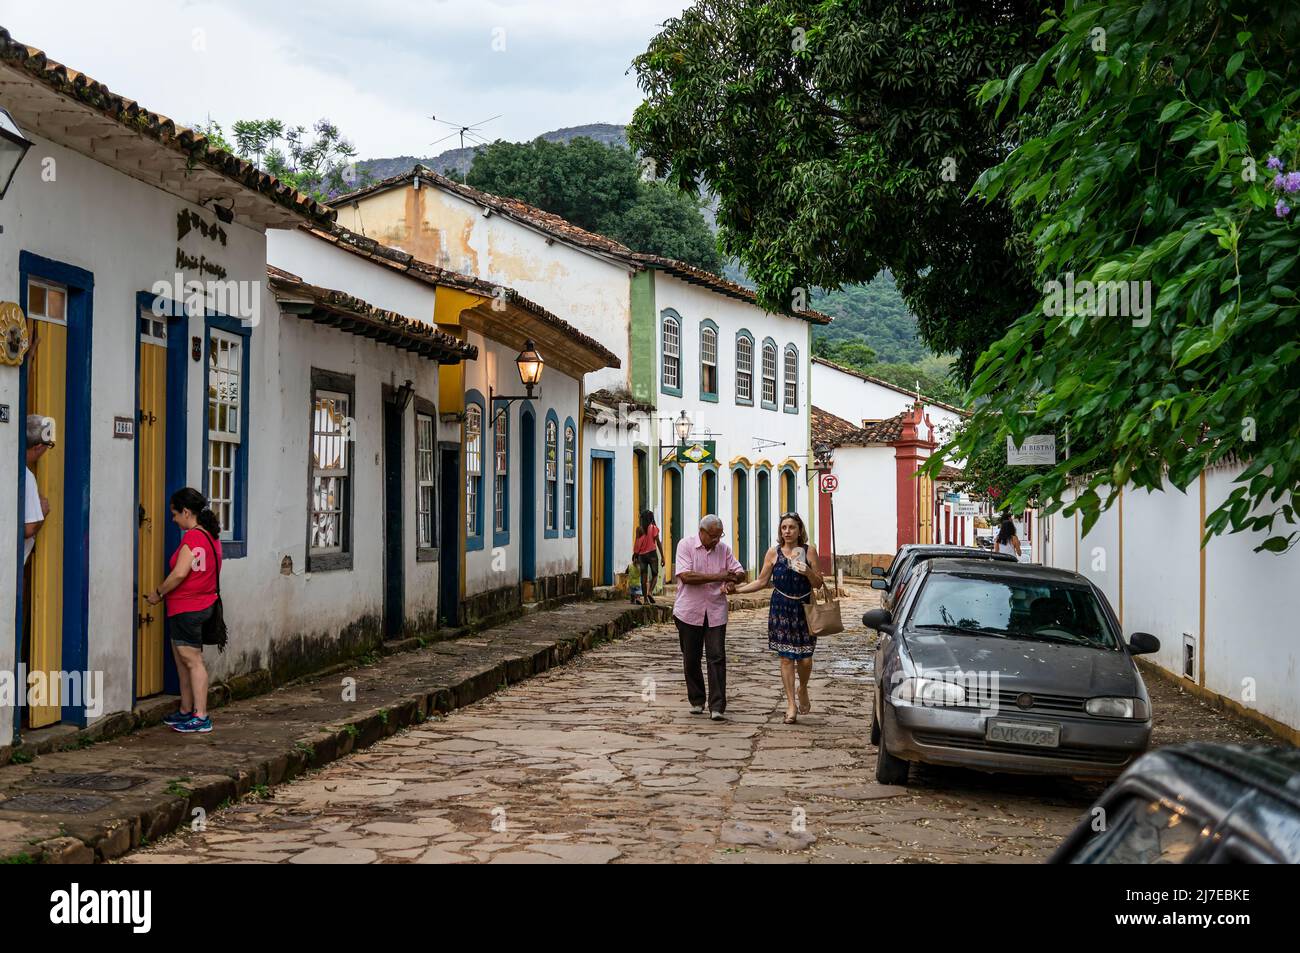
(1274, 163)
(1282, 209)
(1292, 182)
(1279, 182)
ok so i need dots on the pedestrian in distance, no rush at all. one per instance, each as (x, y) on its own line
(705, 571)
(790, 568)
(190, 591)
(648, 551)
(1007, 541)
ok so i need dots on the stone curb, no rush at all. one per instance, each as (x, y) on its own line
(151, 818)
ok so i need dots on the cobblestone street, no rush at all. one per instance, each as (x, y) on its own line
(601, 760)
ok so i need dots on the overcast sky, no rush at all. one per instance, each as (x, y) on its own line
(376, 68)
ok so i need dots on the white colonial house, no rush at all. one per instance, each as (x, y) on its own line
(496, 485)
(685, 341)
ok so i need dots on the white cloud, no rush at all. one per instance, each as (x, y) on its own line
(376, 68)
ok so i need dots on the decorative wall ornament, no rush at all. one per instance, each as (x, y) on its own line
(14, 340)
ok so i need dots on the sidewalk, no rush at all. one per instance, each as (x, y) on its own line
(101, 801)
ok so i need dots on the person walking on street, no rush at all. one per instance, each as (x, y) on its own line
(190, 591)
(790, 568)
(1008, 542)
(648, 551)
(40, 437)
(705, 572)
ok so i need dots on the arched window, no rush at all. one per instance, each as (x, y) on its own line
(708, 361)
(744, 369)
(708, 492)
(672, 355)
(769, 374)
(550, 506)
(791, 379)
(570, 477)
(473, 470)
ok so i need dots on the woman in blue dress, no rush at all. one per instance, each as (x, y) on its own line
(790, 568)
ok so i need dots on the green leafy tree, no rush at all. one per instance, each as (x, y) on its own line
(1174, 176)
(841, 139)
(601, 188)
(319, 162)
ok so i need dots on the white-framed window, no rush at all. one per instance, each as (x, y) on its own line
(570, 477)
(745, 369)
(329, 459)
(225, 406)
(424, 449)
(672, 376)
(500, 470)
(552, 472)
(473, 467)
(791, 377)
(709, 362)
(769, 373)
(47, 301)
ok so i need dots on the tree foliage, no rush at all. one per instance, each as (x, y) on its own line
(319, 162)
(600, 188)
(1160, 175)
(841, 138)
(873, 312)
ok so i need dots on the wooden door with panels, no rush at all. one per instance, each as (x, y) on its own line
(153, 512)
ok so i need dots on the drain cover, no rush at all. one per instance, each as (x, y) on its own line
(55, 802)
(88, 782)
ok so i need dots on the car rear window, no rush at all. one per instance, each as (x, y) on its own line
(1023, 608)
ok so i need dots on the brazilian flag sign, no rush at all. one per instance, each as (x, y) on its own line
(701, 451)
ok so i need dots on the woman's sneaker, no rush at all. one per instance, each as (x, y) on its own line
(177, 717)
(195, 725)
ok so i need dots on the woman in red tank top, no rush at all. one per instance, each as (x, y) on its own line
(190, 591)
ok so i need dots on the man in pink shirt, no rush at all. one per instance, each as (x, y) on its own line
(705, 572)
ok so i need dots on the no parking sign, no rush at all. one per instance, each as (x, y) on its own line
(829, 482)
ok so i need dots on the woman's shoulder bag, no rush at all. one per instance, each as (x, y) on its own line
(214, 629)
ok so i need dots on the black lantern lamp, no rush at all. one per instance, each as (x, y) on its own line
(13, 146)
(530, 365)
(823, 458)
(683, 427)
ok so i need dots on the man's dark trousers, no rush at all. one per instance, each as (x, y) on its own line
(709, 641)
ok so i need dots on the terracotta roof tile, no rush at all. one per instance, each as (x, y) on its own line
(185, 142)
(838, 432)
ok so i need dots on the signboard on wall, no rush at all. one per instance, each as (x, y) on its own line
(829, 482)
(1035, 451)
(701, 451)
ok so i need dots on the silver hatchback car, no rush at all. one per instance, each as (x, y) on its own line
(1006, 667)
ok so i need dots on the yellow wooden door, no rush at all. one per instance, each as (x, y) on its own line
(598, 554)
(154, 514)
(666, 527)
(638, 504)
(47, 395)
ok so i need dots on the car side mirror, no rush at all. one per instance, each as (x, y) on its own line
(878, 619)
(1143, 643)
(877, 571)
(879, 584)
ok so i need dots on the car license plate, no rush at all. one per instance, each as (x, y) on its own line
(1023, 733)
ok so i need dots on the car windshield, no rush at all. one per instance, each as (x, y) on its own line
(1022, 608)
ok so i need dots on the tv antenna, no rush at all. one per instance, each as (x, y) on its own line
(462, 130)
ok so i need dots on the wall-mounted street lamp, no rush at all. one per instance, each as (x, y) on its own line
(682, 428)
(530, 365)
(13, 146)
(823, 460)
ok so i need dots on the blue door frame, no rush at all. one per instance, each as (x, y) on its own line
(74, 433)
(528, 494)
(608, 457)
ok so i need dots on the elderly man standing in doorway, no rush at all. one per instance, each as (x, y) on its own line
(40, 437)
(705, 571)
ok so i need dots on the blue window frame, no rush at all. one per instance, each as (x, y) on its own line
(790, 391)
(474, 448)
(670, 353)
(226, 438)
(744, 368)
(570, 479)
(501, 474)
(768, 369)
(551, 463)
(708, 361)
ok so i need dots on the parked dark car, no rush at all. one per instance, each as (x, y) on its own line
(1195, 803)
(910, 556)
(1006, 667)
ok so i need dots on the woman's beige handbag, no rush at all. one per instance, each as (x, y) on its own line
(823, 617)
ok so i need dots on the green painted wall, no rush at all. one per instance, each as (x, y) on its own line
(642, 348)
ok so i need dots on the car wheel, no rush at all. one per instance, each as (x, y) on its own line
(890, 770)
